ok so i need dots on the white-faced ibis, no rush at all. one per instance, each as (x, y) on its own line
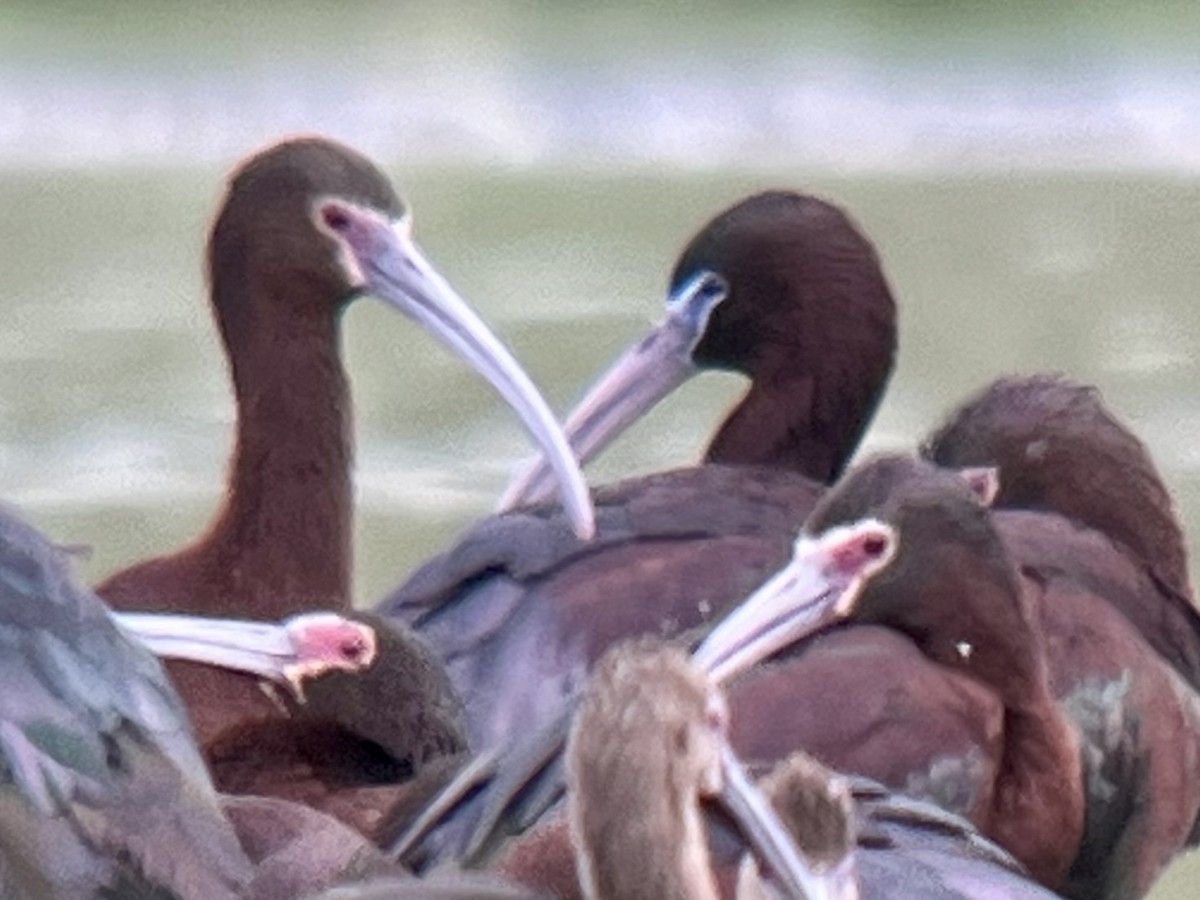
(648, 744)
(907, 846)
(781, 287)
(936, 681)
(105, 795)
(305, 227)
(828, 571)
(285, 653)
(1086, 518)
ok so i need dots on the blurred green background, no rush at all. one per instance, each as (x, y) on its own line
(1028, 171)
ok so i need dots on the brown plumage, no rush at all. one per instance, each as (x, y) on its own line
(519, 609)
(938, 684)
(646, 746)
(1085, 515)
(1063, 452)
(305, 226)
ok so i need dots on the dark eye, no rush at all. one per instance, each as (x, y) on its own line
(713, 286)
(335, 218)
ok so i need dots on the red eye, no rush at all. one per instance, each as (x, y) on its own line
(335, 217)
(353, 649)
(875, 546)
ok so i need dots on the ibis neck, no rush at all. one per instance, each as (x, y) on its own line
(1039, 803)
(285, 526)
(801, 423)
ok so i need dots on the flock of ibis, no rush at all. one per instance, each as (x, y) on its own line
(970, 671)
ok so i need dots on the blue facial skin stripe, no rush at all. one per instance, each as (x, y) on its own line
(695, 300)
(712, 288)
(702, 290)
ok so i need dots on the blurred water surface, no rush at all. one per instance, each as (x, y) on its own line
(856, 85)
(1029, 174)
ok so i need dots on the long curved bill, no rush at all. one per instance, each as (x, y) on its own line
(393, 268)
(644, 375)
(817, 588)
(286, 652)
(771, 842)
